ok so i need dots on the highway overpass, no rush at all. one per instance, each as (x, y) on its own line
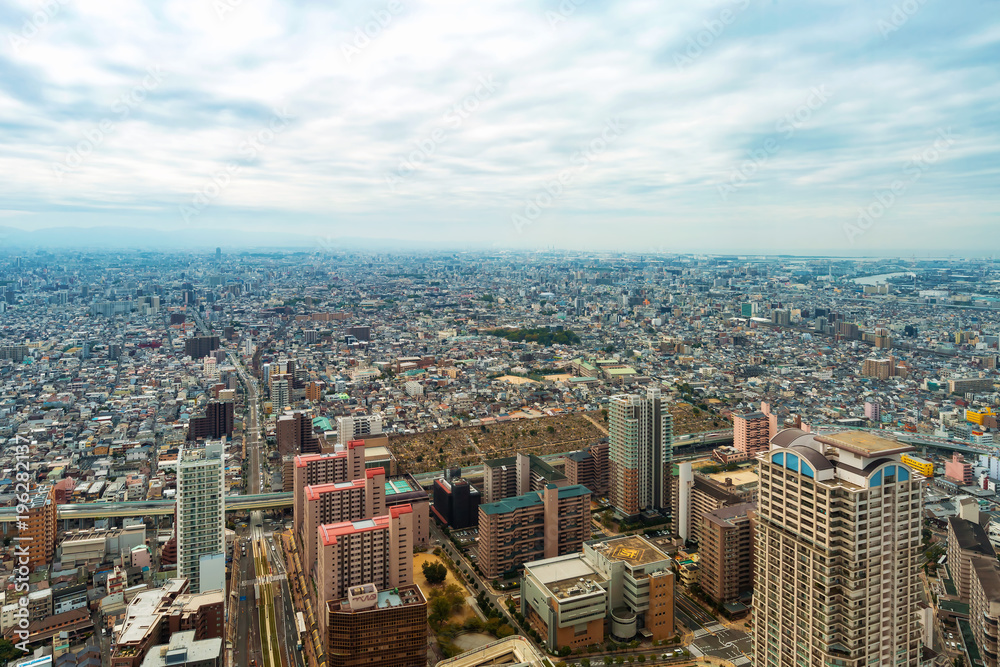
(141, 508)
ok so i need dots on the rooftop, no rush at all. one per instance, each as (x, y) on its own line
(631, 549)
(864, 443)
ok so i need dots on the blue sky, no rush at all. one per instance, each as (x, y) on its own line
(733, 125)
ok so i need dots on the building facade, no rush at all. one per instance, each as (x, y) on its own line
(640, 437)
(837, 539)
(537, 525)
(201, 526)
(39, 531)
(516, 475)
(622, 587)
(726, 548)
(338, 502)
(377, 627)
(751, 432)
(589, 467)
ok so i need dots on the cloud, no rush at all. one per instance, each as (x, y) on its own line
(361, 110)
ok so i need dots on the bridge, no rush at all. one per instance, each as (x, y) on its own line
(140, 508)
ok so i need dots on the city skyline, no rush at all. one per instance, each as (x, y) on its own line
(846, 127)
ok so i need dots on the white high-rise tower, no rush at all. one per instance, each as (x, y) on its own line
(201, 513)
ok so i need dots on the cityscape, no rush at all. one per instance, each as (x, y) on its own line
(506, 333)
(471, 458)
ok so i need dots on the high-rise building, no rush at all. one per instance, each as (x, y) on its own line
(750, 432)
(338, 502)
(217, 422)
(295, 434)
(539, 524)
(726, 548)
(279, 393)
(210, 367)
(516, 475)
(456, 502)
(589, 467)
(873, 411)
(344, 465)
(837, 540)
(198, 347)
(377, 627)
(357, 427)
(201, 527)
(640, 434)
(39, 531)
(378, 550)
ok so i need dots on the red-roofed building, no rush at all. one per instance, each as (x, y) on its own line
(340, 501)
(378, 550)
(310, 469)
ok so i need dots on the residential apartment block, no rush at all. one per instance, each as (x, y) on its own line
(39, 533)
(640, 433)
(517, 475)
(726, 549)
(338, 502)
(201, 528)
(536, 525)
(375, 551)
(837, 541)
(589, 467)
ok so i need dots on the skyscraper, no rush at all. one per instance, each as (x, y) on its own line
(837, 540)
(640, 435)
(201, 527)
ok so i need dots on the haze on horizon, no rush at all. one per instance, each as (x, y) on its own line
(862, 128)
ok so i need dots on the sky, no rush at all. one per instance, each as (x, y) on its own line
(660, 126)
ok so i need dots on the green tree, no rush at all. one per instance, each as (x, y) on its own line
(435, 573)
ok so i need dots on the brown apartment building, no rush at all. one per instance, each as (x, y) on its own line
(589, 467)
(751, 432)
(533, 526)
(377, 627)
(726, 565)
(39, 532)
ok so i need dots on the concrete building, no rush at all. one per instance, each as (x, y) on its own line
(39, 531)
(344, 465)
(963, 385)
(216, 423)
(726, 549)
(358, 427)
(198, 347)
(378, 551)
(377, 627)
(513, 650)
(536, 525)
(957, 470)
(184, 650)
(697, 494)
(201, 527)
(338, 502)
(640, 433)
(622, 586)
(589, 467)
(750, 432)
(516, 475)
(827, 590)
(153, 616)
(456, 502)
(295, 434)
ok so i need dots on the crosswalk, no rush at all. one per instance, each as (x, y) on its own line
(742, 660)
(717, 627)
